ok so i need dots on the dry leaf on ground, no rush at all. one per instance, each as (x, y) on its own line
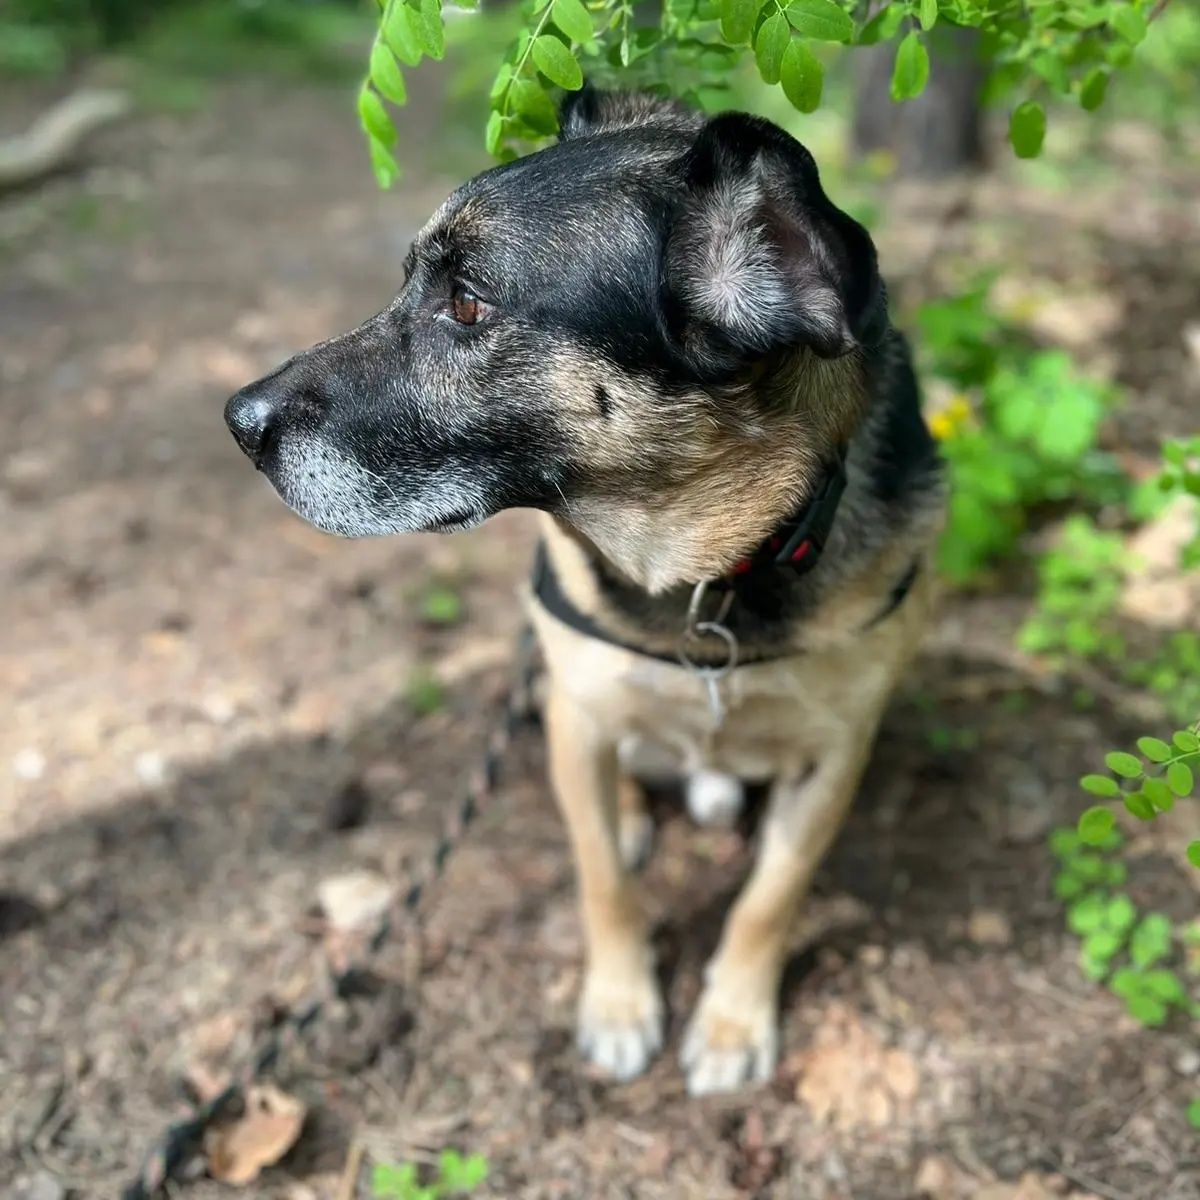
(850, 1078)
(267, 1129)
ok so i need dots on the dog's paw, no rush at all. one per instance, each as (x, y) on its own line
(728, 1045)
(620, 1021)
(714, 799)
(635, 838)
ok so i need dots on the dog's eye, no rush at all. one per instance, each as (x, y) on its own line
(466, 307)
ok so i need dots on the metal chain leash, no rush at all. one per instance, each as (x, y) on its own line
(180, 1140)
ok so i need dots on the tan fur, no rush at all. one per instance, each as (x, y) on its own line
(806, 722)
(660, 506)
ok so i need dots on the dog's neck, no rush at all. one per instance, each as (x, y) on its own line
(701, 523)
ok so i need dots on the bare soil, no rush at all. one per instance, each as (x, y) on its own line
(202, 694)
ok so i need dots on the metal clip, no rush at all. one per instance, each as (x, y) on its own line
(695, 632)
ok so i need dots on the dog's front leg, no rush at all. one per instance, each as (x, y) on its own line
(733, 1036)
(620, 1010)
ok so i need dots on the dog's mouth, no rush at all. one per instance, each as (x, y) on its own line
(455, 522)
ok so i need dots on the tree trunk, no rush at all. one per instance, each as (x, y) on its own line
(940, 132)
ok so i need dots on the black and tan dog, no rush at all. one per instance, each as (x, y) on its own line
(663, 335)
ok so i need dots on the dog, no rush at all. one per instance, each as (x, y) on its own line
(660, 333)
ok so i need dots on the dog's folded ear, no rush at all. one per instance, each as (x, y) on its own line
(590, 110)
(759, 259)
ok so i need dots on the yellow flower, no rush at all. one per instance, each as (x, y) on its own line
(956, 413)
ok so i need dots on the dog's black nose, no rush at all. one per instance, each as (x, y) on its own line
(251, 415)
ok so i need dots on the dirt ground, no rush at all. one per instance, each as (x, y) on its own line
(208, 713)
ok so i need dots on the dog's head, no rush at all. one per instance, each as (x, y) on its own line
(648, 329)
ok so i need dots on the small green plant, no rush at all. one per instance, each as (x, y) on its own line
(1148, 784)
(1130, 952)
(424, 692)
(1079, 587)
(455, 1176)
(441, 605)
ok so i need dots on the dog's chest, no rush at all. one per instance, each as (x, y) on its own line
(767, 719)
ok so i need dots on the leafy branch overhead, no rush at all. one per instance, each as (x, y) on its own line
(1036, 49)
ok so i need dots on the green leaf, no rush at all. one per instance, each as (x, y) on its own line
(769, 45)
(1101, 945)
(1128, 22)
(1139, 805)
(385, 75)
(386, 169)
(1159, 794)
(1151, 940)
(737, 20)
(1093, 89)
(1087, 914)
(1067, 886)
(1165, 985)
(494, 136)
(883, 26)
(500, 83)
(1149, 1010)
(1123, 764)
(1180, 779)
(820, 19)
(1155, 749)
(927, 14)
(1095, 825)
(388, 1181)
(432, 34)
(1120, 914)
(911, 70)
(399, 31)
(557, 63)
(1186, 741)
(802, 76)
(374, 117)
(1193, 853)
(573, 19)
(1193, 1113)
(527, 98)
(1100, 785)
(1027, 129)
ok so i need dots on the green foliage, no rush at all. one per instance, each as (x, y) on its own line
(1131, 952)
(424, 693)
(441, 605)
(456, 1176)
(1029, 437)
(1079, 586)
(1150, 783)
(689, 48)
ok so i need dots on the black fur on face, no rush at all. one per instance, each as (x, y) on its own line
(569, 319)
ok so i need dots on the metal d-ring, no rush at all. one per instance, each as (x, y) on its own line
(703, 629)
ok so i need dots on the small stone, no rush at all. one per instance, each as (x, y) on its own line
(42, 1186)
(29, 764)
(934, 1179)
(151, 768)
(1187, 1062)
(355, 900)
(872, 956)
(986, 927)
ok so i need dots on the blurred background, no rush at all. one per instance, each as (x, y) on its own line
(227, 736)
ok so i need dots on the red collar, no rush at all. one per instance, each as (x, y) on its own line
(799, 542)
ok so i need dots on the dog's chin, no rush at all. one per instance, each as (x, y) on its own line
(351, 520)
